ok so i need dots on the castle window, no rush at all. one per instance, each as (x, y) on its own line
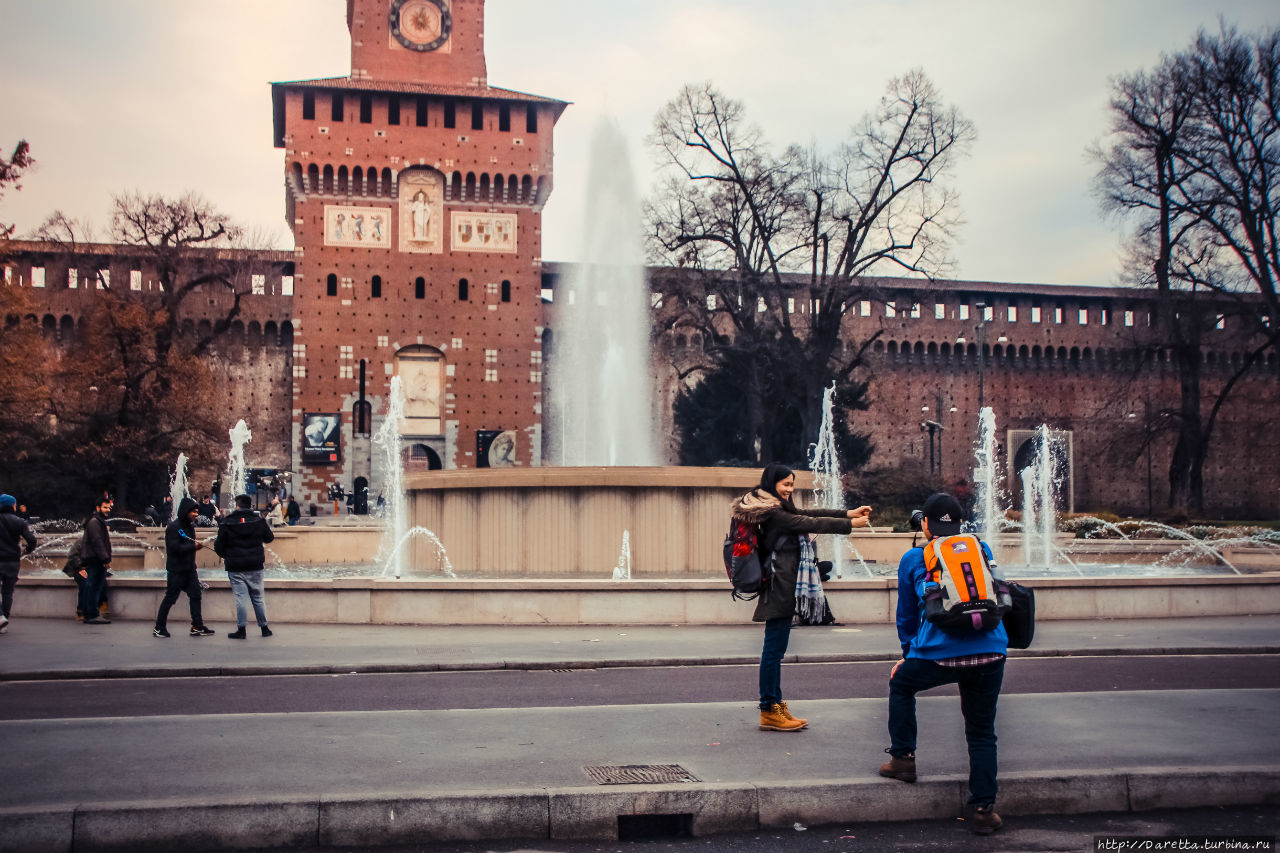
(1106, 316)
(421, 111)
(309, 106)
(450, 114)
(939, 311)
(286, 285)
(1221, 322)
(1128, 318)
(1083, 316)
(37, 276)
(1035, 313)
(366, 108)
(462, 290)
(1057, 315)
(331, 285)
(791, 305)
(890, 310)
(393, 110)
(477, 115)
(419, 288)
(964, 311)
(711, 302)
(915, 310)
(361, 416)
(531, 119)
(864, 308)
(135, 279)
(1013, 314)
(336, 112)
(504, 118)
(988, 313)
(506, 291)
(375, 288)
(73, 278)
(258, 284)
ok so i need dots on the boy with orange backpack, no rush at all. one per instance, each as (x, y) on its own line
(949, 582)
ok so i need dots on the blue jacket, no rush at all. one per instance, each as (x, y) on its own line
(920, 638)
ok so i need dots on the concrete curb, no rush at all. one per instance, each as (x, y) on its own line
(593, 812)
(221, 670)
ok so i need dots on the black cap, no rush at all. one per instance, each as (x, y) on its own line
(944, 513)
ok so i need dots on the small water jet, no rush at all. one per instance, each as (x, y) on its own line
(240, 436)
(178, 484)
(622, 571)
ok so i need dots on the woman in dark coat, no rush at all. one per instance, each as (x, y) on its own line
(781, 525)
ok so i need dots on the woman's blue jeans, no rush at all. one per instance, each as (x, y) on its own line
(979, 691)
(776, 634)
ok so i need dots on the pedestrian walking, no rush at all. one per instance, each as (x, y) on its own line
(14, 530)
(96, 562)
(240, 544)
(180, 547)
(784, 540)
(974, 661)
(293, 512)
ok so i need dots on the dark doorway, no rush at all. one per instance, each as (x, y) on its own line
(361, 502)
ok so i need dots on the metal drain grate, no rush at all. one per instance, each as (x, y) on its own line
(633, 774)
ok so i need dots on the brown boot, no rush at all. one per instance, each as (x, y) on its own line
(902, 769)
(786, 712)
(776, 720)
(982, 820)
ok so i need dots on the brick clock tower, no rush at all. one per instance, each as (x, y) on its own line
(415, 192)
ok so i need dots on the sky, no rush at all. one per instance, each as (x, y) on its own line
(164, 97)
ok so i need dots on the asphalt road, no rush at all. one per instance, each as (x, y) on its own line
(137, 697)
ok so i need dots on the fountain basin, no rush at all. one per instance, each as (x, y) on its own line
(382, 601)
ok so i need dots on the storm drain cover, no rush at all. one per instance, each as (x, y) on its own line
(632, 774)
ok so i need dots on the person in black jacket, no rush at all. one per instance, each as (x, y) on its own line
(180, 548)
(13, 529)
(239, 544)
(96, 562)
(784, 538)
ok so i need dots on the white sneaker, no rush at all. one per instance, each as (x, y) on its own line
(4, 624)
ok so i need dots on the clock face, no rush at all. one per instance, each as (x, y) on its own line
(420, 24)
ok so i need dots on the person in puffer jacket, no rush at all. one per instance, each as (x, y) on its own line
(240, 545)
(180, 546)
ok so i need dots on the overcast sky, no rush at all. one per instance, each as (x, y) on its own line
(170, 95)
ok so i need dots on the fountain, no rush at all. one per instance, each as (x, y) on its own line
(622, 571)
(178, 485)
(986, 477)
(240, 436)
(828, 487)
(601, 410)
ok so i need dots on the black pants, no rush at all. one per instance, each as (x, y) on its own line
(180, 582)
(7, 582)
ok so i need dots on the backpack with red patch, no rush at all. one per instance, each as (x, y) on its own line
(748, 573)
(962, 592)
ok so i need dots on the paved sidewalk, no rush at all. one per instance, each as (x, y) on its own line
(237, 781)
(55, 648)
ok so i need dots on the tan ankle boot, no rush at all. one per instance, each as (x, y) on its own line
(786, 712)
(775, 719)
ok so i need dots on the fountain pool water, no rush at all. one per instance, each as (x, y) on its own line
(240, 436)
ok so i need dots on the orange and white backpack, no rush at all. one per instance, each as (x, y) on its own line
(962, 592)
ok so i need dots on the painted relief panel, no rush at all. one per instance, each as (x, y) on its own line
(484, 232)
(421, 211)
(422, 377)
(358, 227)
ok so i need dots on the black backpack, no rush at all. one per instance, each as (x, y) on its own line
(75, 558)
(748, 574)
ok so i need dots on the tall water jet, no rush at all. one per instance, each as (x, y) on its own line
(178, 488)
(1039, 515)
(240, 436)
(825, 465)
(601, 405)
(986, 478)
(395, 511)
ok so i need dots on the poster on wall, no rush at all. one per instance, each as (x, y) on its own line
(322, 438)
(495, 448)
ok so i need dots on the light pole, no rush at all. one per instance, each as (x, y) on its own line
(934, 428)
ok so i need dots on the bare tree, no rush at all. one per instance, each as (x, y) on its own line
(1193, 160)
(763, 238)
(11, 171)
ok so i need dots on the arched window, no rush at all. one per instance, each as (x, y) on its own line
(506, 291)
(299, 183)
(455, 186)
(328, 179)
(342, 180)
(462, 290)
(419, 288)
(526, 189)
(485, 194)
(375, 287)
(361, 417)
(386, 182)
(471, 187)
(499, 189)
(357, 181)
(331, 285)
(313, 178)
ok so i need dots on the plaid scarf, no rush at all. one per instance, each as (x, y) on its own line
(811, 601)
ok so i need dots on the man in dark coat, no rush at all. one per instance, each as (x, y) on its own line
(240, 544)
(180, 548)
(13, 530)
(96, 562)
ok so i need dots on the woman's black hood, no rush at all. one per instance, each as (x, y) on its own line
(184, 507)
